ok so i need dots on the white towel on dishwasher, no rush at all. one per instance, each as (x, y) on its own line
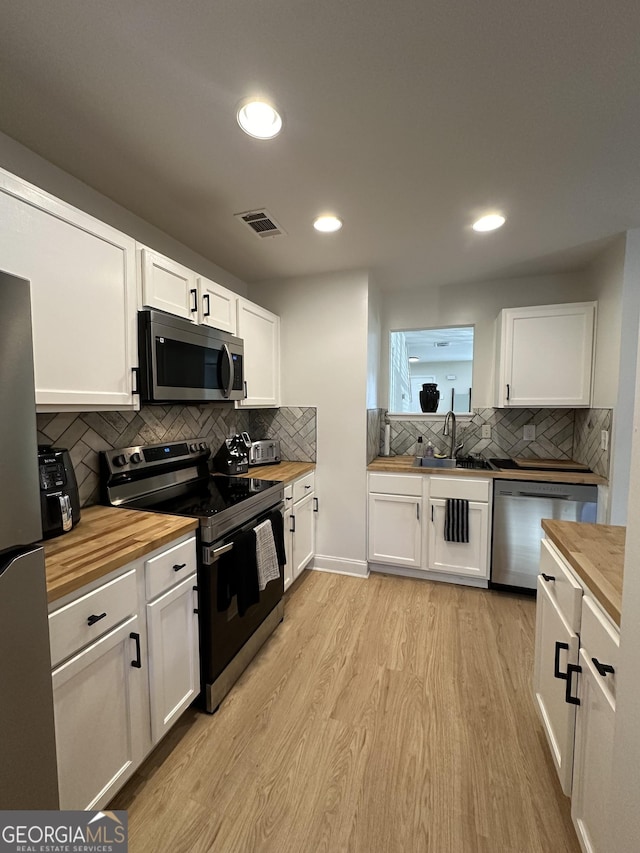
(267, 558)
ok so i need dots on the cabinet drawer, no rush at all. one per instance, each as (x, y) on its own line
(565, 589)
(303, 486)
(169, 567)
(600, 639)
(396, 484)
(459, 487)
(74, 625)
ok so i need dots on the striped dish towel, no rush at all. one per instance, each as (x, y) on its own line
(456, 520)
(266, 555)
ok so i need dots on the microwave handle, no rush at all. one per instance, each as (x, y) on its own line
(227, 355)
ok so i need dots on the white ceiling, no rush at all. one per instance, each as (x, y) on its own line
(408, 118)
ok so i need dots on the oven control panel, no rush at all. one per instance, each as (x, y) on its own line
(127, 459)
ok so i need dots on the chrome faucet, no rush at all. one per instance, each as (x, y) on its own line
(450, 429)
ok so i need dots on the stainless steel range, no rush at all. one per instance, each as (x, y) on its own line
(174, 478)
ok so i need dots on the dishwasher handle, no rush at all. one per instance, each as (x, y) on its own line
(538, 495)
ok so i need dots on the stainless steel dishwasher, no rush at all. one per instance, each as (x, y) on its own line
(518, 509)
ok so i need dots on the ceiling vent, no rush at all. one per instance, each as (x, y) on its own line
(261, 223)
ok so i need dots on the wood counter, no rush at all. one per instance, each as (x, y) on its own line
(404, 465)
(596, 553)
(105, 539)
(283, 472)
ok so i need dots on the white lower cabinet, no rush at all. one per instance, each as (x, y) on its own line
(125, 665)
(174, 674)
(99, 716)
(574, 689)
(406, 525)
(300, 509)
(595, 722)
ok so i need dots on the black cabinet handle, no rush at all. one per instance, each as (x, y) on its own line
(556, 660)
(179, 566)
(603, 668)
(547, 577)
(93, 618)
(292, 529)
(136, 373)
(418, 511)
(195, 609)
(138, 661)
(508, 391)
(315, 504)
(431, 512)
(246, 390)
(194, 293)
(568, 698)
(207, 313)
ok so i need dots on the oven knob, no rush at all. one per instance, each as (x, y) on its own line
(135, 458)
(203, 445)
(119, 460)
(193, 447)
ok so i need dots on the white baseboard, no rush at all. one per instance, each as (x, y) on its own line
(481, 583)
(339, 566)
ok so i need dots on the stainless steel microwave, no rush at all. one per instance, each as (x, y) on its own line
(183, 362)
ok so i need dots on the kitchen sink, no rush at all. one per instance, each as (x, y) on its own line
(433, 462)
(475, 462)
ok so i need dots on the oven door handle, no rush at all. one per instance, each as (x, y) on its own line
(224, 549)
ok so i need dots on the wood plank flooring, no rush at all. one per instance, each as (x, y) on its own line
(384, 715)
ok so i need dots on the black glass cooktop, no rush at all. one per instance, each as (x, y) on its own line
(208, 497)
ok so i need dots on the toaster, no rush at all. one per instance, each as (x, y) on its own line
(266, 452)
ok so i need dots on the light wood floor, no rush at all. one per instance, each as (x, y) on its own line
(383, 715)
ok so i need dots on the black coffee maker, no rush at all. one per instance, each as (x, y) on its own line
(59, 498)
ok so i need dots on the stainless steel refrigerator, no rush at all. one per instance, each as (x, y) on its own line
(28, 774)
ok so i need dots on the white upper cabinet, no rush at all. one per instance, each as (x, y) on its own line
(545, 355)
(168, 286)
(171, 287)
(260, 331)
(83, 298)
(217, 306)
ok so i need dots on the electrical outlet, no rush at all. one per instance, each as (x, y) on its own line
(529, 432)
(604, 439)
(486, 430)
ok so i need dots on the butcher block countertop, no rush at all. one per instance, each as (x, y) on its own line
(105, 539)
(404, 465)
(596, 553)
(284, 472)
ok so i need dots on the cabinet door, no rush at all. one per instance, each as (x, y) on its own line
(100, 718)
(595, 721)
(303, 534)
(168, 286)
(459, 558)
(260, 331)
(217, 306)
(556, 646)
(174, 662)
(536, 342)
(394, 530)
(83, 299)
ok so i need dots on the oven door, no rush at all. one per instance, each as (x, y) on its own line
(180, 361)
(223, 631)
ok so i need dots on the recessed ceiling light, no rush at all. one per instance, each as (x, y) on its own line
(489, 222)
(413, 358)
(327, 224)
(259, 119)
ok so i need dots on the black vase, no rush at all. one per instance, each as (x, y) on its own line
(429, 397)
